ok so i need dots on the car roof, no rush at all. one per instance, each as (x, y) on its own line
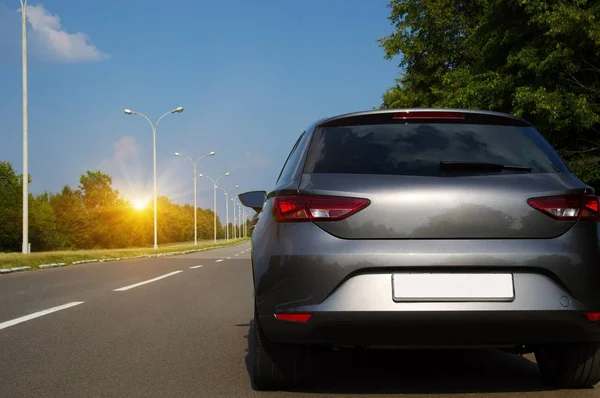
(396, 110)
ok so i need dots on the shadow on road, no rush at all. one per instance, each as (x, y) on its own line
(419, 372)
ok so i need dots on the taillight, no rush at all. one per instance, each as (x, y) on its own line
(299, 208)
(294, 317)
(593, 316)
(568, 207)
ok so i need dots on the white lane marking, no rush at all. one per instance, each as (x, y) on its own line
(228, 258)
(236, 254)
(219, 260)
(122, 289)
(6, 324)
(197, 266)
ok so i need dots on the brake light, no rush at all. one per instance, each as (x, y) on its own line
(294, 317)
(299, 208)
(428, 115)
(593, 316)
(569, 207)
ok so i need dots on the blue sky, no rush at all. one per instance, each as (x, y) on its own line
(250, 75)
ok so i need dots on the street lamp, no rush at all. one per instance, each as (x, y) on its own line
(214, 200)
(154, 126)
(241, 210)
(245, 213)
(235, 234)
(195, 206)
(25, 179)
(245, 222)
(227, 208)
(239, 207)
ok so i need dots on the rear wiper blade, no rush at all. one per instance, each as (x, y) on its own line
(460, 165)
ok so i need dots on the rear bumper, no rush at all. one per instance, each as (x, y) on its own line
(300, 264)
(361, 312)
(434, 329)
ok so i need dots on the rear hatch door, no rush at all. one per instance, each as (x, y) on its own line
(438, 178)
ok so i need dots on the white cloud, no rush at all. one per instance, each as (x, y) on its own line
(56, 42)
(126, 168)
(124, 160)
(126, 149)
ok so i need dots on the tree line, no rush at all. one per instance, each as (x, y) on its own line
(93, 216)
(536, 59)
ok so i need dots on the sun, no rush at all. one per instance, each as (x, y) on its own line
(139, 204)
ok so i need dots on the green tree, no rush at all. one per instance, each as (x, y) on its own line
(172, 223)
(72, 221)
(536, 59)
(10, 208)
(142, 226)
(93, 216)
(106, 211)
(97, 191)
(44, 234)
(205, 224)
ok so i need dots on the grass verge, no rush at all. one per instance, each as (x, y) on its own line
(34, 260)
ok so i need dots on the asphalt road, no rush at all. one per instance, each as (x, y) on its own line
(186, 335)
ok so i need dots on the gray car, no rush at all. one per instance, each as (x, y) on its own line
(425, 228)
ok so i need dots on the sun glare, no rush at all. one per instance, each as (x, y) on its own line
(139, 204)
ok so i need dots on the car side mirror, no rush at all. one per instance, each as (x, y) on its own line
(253, 199)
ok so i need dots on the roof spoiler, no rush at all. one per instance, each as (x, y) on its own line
(405, 116)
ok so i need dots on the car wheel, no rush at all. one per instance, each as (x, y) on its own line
(276, 366)
(570, 365)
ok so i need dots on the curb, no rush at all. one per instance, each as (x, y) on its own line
(95, 260)
(52, 265)
(19, 269)
(16, 269)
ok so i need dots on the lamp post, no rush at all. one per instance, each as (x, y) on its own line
(214, 201)
(227, 208)
(240, 218)
(234, 220)
(154, 126)
(195, 205)
(241, 222)
(245, 213)
(25, 180)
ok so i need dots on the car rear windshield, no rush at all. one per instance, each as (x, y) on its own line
(418, 149)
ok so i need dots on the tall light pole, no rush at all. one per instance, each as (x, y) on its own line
(245, 221)
(154, 126)
(240, 217)
(195, 205)
(214, 201)
(227, 208)
(242, 220)
(235, 235)
(25, 128)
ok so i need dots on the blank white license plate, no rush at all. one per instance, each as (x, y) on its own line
(453, 287)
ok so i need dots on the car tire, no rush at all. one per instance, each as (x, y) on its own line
(574, 365)
(276, 366)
